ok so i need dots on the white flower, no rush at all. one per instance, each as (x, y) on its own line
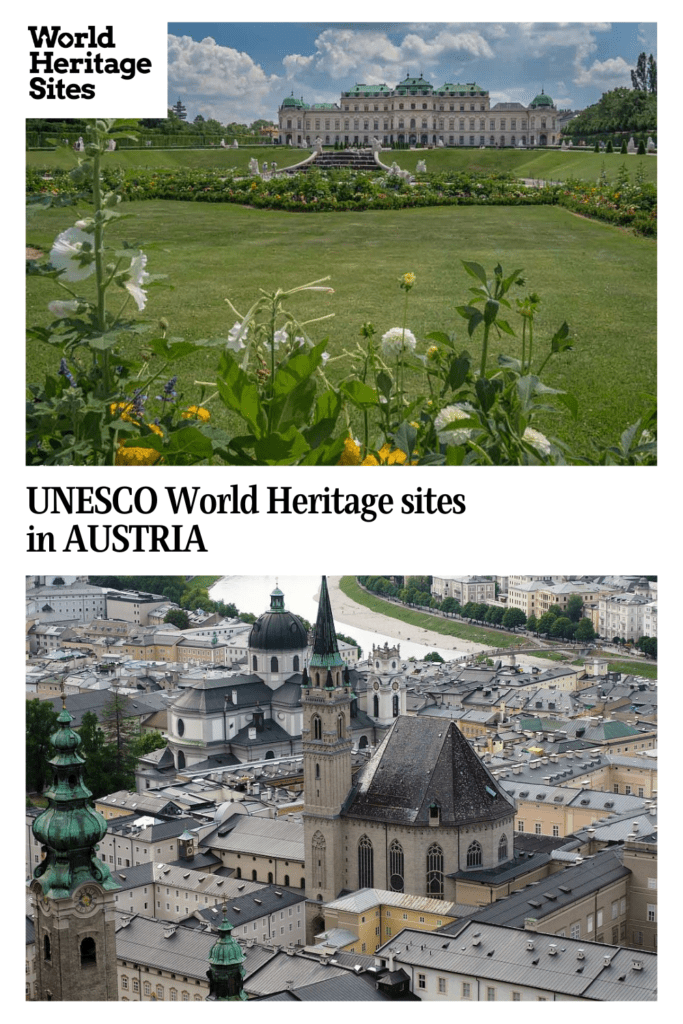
(326, 355)
(280, 338)
(235, 342)
(396, 340)
(62, 307)
(68, 255)
(137, 277)
(538, 440)
(445, 421)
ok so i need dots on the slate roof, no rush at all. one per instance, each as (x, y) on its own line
(243, 907)
(541, 899)
(281, 970)
(423, 761)
(499, 954)
(78, 704)
(208, 695)
(275, 837)
(346, 987)
(272, 732)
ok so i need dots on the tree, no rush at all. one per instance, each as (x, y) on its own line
(349, 640)
(41, 723)
(563, 627)
(177, 617)
(448, 605)
(146, 743)
(585, 631)
(644, 77)
(120, 732)
(532, 624)
(545, 622)
(513, 618)
(575, 607)
(433, 656)
(98, 757)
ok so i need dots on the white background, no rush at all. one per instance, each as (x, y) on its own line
(517, 521)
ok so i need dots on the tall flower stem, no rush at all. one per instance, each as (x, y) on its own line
(100, 269)
(484, 351)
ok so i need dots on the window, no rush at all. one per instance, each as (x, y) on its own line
(556, 830)
(47, 952)
(466, 990)
(422, 981)
(652, 883)
(575, 930)
(88, 952)
(173, 995)
(124, 981)
(365, 864)
(520, 825)
(503, 848)
(435, 871)
(615, 909)
(473, 854)
(396, 866)
(273, 664)
(317, 728)
(160, 991)
(516, 997)
(599, 921)
(537, 828)
(136, 985)
(589, 924)
(491, 995)
(147, 989)
(442, 986)
(652, 912)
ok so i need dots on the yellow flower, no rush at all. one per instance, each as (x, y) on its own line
(136, 456)
(408, 280)
(156, 429)
(351, 454)
(196, 412)
(122, 409)
(432, 352)
(387, 457)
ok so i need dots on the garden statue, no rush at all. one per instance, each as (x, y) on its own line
(79, 146)
(421, 167)
(223, 144)
(651, 148)
(235, 144)
(253, 165)
(439, 143)
(318, 145)
(631, 148)
(111, 145)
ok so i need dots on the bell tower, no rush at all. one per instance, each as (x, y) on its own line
(326, 699)
(73, 890)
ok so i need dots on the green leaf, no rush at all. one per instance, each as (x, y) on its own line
(560, 342)
(457, 372)
(241, 395)
(362, 395)
(405, 438)
(384, 384)
(171, 350)
(439, 336)
(570, 402)
(281, 448)
(486, 392)
(455, 455)
(475, 270)
(490, 311)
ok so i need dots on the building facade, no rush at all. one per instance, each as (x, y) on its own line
(414, 113)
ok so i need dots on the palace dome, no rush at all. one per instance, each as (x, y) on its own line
(542, 100)
(277, 629)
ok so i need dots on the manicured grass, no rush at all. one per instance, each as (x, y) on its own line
(635, 668)
(449, 627)
(598, 278)
(204, 581)
(547, 165)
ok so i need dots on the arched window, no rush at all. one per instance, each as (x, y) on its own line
(366, 872)
(317, 771)
(160, 991)
(362, 743)
(473, 854)
(238, 873)
(396, 882)
(88, 952)
(47, 950)
(173, 994)
(273, 664)
(270, 754)
(317, 728)
(181, 759)
(296, 662)
(286, 879)
(147, 988)
(254, 876)
(317, 679)
(180, 727)
(435, 871)
(254, 663)
(340, 726)
(375, 706)
(318, 846)
(270, 877)
(394, 705)
(503, 848)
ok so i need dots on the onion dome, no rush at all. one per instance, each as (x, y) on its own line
(542, 100)
(226, 958)
(278, 629)
(70, 828)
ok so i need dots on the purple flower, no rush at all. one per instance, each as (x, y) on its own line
(65, 372)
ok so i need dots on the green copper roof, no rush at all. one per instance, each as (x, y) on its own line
(456, 89)
(69, 829)
(542, 100)
(226, 950)
(325, 649)
(226, 971)
(361, 89)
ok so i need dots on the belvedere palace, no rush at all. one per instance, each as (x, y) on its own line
(417, 113)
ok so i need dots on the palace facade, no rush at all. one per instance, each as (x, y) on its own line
(417, 113)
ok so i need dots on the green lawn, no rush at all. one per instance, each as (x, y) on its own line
(435, 623)
(548, 165)
(600, 279)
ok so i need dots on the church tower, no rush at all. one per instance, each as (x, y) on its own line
(73, 890)
(226, 973)
(326, 699)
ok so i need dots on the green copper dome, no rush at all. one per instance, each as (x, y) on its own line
(69, 828)
(226, 951)
(542, 101)
(226, 972)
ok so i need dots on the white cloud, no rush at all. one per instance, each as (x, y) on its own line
(218, 79)
(605, 74)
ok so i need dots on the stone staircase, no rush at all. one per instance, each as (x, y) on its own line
(337, 159)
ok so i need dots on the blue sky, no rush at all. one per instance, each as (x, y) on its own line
(240, 72)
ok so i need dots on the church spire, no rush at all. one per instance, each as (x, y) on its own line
(226, 972)
(325, 649)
